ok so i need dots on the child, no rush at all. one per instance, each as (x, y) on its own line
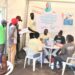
(3, 68)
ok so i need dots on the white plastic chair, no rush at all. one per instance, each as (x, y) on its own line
(67, 63)
(10, 68)
(34, 59)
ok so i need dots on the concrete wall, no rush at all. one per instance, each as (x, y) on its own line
(16, 7)
(2, 3)
(19, 7)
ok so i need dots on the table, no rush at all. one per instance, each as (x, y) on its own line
(51, 48)
(50, 51)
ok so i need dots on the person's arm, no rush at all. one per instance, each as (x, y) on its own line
(25, 30)
(31, 30)
(55, 38)
(12, 32)
(63, 50)
(63, 40)
(41, 45)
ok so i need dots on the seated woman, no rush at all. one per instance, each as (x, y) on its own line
(59, 39)
(67, 51)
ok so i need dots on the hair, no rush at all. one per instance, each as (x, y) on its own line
(45, 31)
(4, 23)
(19, 18)
(69, 38)
(60, 32)
(36, 34)
(32, 16)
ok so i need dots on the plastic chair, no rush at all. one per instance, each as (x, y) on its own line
(67, 63)
(10, 68)
(33, 58)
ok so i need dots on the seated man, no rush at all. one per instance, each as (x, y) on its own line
(34, 45)
(67, 51)
(45, 38)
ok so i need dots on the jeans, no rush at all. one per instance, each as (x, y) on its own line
(2, 48)
(57, 58)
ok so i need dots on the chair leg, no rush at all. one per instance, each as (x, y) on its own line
(74, 72)
(63, 69)
(25, 62)
(41, 60)
(41, 64)
(34, 64)
(28, 61)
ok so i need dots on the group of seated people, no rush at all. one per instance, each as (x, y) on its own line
(67, 46)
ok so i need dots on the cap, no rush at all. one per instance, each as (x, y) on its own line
(19, 18)
(14, 21)
(4, 22)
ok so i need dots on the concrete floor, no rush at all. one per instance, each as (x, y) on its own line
(45, 70)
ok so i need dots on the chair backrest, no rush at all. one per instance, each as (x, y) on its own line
(73, 59)
(10, 68)
(29, 52)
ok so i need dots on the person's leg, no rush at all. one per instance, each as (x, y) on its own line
(43, 56)
(2, 48)
(46, 53)
(9, 54)
(17, 49)
(58, 52)
(31, 35)
(55, 61)
(59, 60)
(1, 52)
(13, 53)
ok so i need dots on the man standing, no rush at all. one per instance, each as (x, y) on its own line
(18, 37)
(2, 35)
(2, 38)
(13, 39)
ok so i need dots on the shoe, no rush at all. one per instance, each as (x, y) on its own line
(55, 69)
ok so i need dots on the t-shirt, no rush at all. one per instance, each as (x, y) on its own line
(67, 50)
(32, 25)
(12, 35)
(2, 34)
(32, 28)
(60, 40)
(45, 38)
(35, 45)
